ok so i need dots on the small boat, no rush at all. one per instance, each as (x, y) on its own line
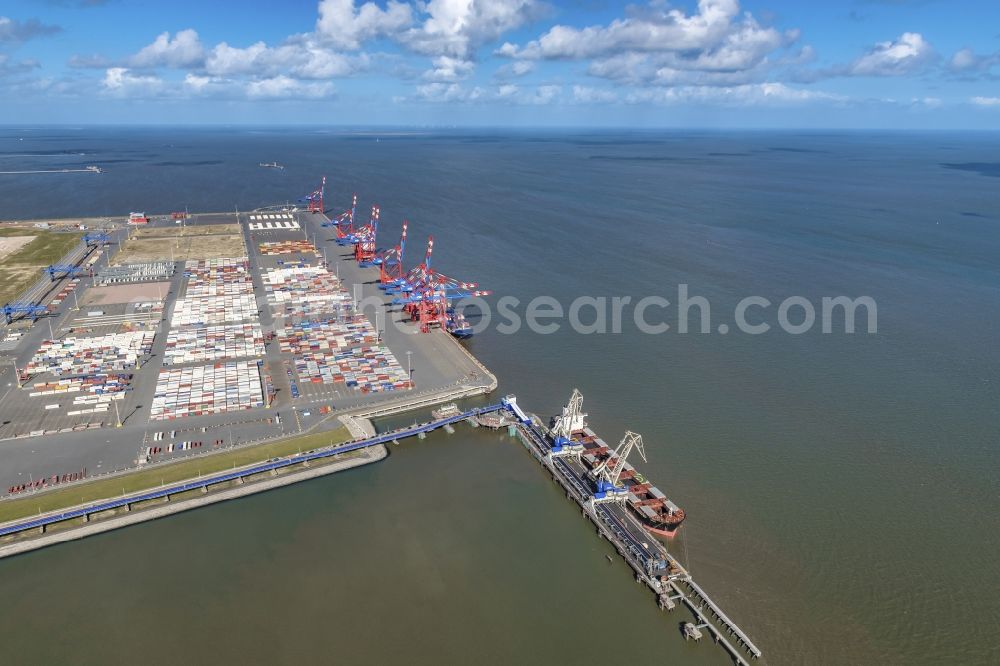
(458, 325)
(271, 165)
(493, 420)
(446, 412)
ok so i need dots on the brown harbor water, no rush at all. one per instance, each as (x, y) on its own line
(842, 490)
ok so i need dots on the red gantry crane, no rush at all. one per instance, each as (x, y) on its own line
(427, 296)
(345, 224)
(391, 264)
(365, 250)
(315, 200)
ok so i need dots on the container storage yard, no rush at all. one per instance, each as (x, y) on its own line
(204, 278)
(325, 335)
(207, 389)
(213, 343)
(368, 369)
(215, 291)
(213, 310)
(91, 356)
(305, 291)
(102, 383)
(288, 247)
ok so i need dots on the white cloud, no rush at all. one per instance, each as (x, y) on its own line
(269, 88)
(93, 61)
(741, 49)
(121, 81)
(183, 50)
(760, 94)
(545, 94)
(449, 31)
(507, 93)
(986, 101)
(966, 61)
(15, 32)
(654, 30)
(197, 83)
(279, 87)
(905, 55)
(306, 60)
(629, 67)
(226, 60)
(717, 45)
(591, 95)
(448, 92)
(458, 28)
(513, 70)
(345, 26)
(447, 68)
(9, 67)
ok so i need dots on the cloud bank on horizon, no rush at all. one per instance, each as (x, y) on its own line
(526, 61)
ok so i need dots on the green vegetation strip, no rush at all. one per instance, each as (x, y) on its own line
(48, 247)
(147, 479)
(23, 268)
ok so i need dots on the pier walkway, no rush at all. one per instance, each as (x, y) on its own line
(652, 564)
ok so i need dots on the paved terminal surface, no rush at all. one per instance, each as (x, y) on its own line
(440, 369)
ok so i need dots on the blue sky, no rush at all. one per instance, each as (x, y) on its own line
(684, 63)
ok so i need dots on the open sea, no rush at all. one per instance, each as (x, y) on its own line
(842, 491)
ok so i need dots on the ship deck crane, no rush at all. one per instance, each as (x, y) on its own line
(571, 420)
(609, 472)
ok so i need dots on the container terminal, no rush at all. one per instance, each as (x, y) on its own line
(155, 330)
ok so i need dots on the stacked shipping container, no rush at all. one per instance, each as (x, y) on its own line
(91, 356)
(217, 291)
(326, 334)
(214, 343)
(207, 389)
(368, 369)
(305, 291)
(288, 247)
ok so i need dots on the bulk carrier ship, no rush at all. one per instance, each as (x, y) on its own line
(651, 507)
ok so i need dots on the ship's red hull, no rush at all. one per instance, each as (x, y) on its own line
(663, 532)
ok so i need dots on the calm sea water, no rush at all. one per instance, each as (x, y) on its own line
(842, 490)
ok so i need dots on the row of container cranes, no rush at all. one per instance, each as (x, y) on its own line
(425, 294)
(34, 308)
